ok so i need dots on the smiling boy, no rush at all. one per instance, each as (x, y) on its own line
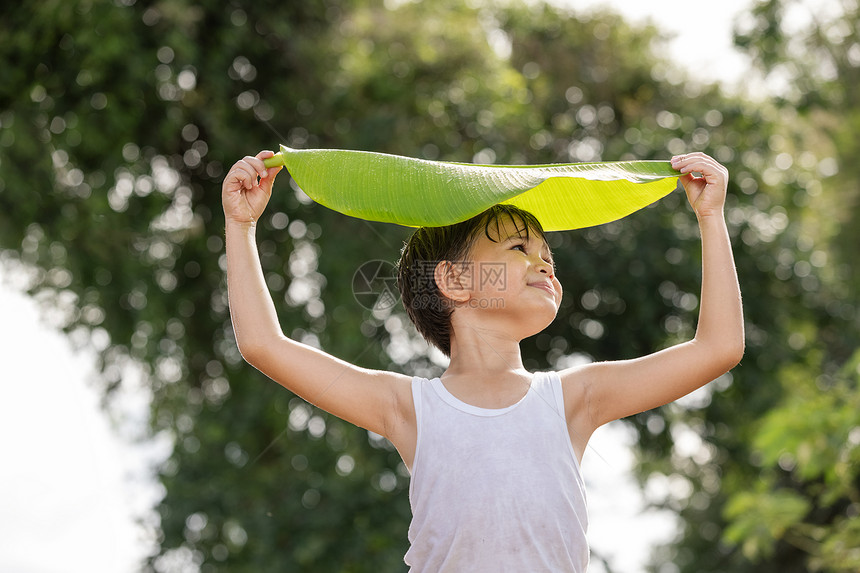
(493, 449)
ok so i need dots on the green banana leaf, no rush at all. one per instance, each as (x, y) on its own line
(417, 192)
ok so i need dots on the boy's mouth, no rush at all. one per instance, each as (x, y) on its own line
(544, 286)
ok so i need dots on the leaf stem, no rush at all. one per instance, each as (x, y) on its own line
(276, 160)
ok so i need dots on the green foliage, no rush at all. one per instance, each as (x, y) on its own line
(760, 518)
(809, 448)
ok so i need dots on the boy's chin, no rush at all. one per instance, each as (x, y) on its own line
(535, 323)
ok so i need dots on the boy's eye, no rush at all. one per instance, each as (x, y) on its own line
(520, 246)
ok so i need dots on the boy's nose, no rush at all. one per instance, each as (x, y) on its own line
(545, 268)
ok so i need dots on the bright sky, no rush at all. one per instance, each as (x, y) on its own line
(701, 32)
(70, 487)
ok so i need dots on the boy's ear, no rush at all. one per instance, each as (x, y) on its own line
(453, 280)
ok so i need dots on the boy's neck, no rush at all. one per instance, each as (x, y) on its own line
(484, 352)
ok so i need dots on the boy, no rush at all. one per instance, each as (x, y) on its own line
(493, 450)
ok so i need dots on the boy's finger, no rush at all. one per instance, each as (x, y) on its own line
(689, 161)
(271, 171)
(707, 170)
(236, 175)
(256, 164)
(685, 162)
(268, 182)
(245, 174)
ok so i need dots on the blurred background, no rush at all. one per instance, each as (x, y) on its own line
(136, 438)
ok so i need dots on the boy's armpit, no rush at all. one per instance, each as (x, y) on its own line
(577, 406)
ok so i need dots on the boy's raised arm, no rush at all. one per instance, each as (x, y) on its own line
(375, 400)
(614, 390)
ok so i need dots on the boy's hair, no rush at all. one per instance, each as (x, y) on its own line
(426, 306)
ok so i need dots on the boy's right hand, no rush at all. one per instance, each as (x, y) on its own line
(247, 188)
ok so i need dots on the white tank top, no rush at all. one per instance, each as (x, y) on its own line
(495, 490)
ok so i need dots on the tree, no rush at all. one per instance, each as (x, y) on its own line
(806, 502)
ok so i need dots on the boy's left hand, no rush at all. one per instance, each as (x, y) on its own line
(247, 188)
(706, 193)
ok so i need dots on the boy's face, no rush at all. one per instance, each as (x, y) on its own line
(513, 277)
